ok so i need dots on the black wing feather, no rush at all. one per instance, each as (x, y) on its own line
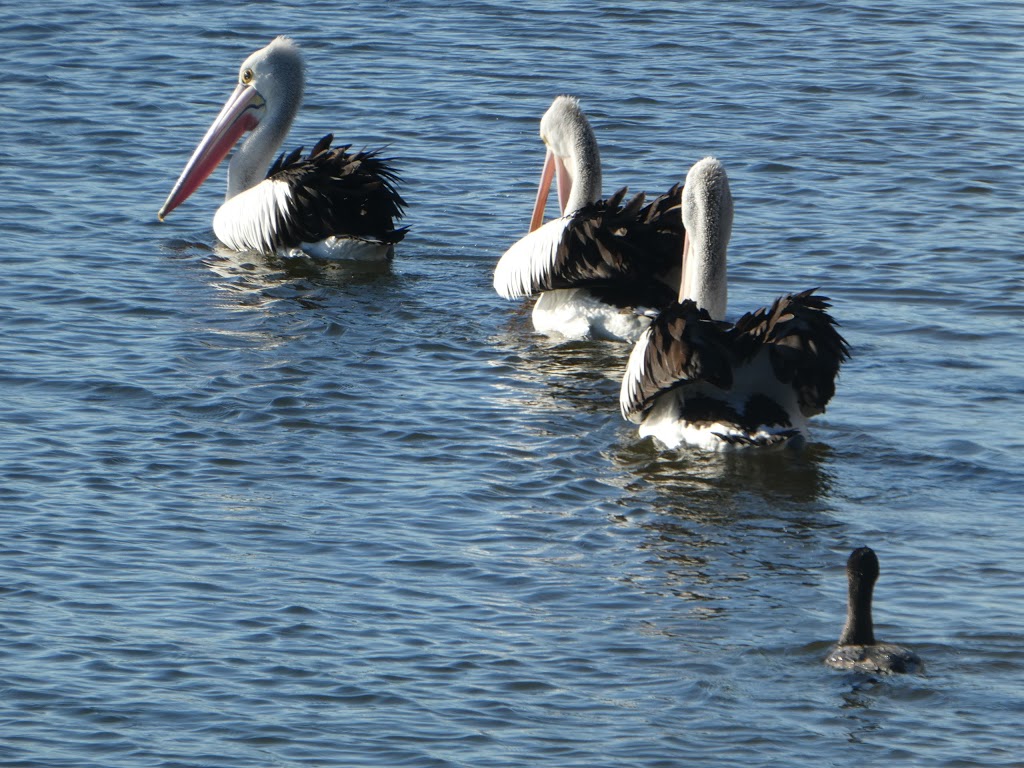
(804, 346)
(337, 192)
(622, 251)
(684, 346)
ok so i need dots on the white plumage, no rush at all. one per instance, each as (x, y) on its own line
(527, 262)
(248, 221)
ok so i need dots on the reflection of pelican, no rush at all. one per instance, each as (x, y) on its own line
(701, 512)
(717, 487)
(256, 281)
(332, 203)
(600, 260)
(694, 379)
(857, 650)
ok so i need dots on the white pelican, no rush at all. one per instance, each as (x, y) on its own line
(600, 261)
(857, 650)
(694, 379)
(331, 204)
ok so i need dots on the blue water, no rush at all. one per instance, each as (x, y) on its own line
(257, 514)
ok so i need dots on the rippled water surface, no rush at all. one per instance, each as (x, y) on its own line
(257, 514)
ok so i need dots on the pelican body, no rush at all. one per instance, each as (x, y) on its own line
(601, 263)
(332, 203)
(857, 649)
(694, 379)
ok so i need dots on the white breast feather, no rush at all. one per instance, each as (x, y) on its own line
(246, 221)
(529, 261)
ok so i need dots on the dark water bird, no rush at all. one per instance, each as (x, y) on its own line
(332, 203)
(602, 260)
(694, 379)
(857, 649)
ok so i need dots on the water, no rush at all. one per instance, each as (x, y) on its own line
(257, 515)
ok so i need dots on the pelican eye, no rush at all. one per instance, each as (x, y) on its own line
(247, 76)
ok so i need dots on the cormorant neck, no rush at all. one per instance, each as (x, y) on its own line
(858, 629)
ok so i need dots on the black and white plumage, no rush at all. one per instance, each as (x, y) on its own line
(857, 649)
(694, 379)
(601, 261)
(332, 203)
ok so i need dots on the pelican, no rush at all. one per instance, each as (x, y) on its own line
(694, 379)
(601, 263)
(857, 650)
(332, 203)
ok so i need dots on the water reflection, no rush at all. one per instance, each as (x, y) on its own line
(703, 485)
(722, 532)
(581, 374)
(273, 278)
(254, 280)
(726, 533)
(267, 302)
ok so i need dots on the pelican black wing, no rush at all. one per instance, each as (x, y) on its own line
(623, 250)
(338, 192)
(804, 346)
(683, 345)
(627, 254)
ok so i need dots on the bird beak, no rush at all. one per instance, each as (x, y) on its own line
(542, 191)
(241, 113)
(684, 292)
(552, 163)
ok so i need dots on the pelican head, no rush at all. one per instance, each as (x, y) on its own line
(265, 102)
(571, 152)
(707, 220)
